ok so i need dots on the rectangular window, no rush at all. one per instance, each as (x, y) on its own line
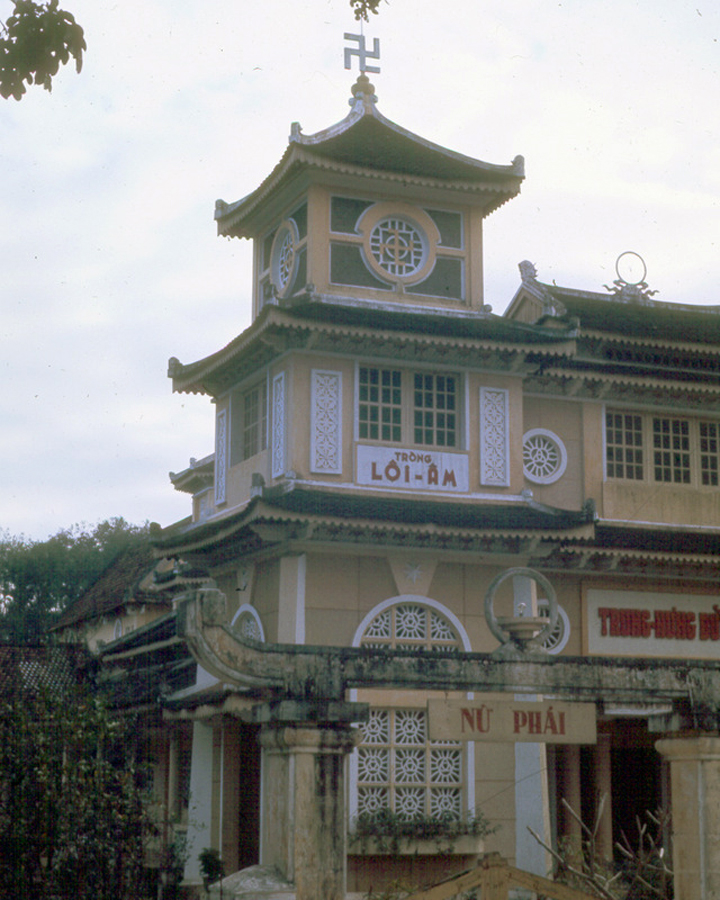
(434, 409)
(248, 422)
(678, 451)
(709, 453)
(398, 406)
(671, 450)
(624, 446)
(380, 407)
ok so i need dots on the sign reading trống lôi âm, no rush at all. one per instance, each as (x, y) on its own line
(645, 623)
(425, 470)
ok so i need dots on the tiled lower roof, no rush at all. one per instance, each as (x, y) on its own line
(58, 668)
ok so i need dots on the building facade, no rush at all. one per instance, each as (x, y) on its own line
(386, 447)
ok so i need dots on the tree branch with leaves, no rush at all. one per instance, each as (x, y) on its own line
(35, 41)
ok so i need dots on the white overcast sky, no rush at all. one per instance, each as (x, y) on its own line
(109, 259)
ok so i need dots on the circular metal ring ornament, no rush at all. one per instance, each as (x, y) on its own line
(551, 597)
(631, 258)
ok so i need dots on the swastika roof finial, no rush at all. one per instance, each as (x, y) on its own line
(362, 53)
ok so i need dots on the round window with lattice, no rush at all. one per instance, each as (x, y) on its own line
(398, 247)
(398, 242)
(557, 639)
(544, 456)
(284, 257)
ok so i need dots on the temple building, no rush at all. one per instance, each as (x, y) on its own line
(387, 448)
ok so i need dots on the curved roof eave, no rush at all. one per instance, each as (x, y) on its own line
(367, 116)
(490, 332)
(301, 504)
(367, 143)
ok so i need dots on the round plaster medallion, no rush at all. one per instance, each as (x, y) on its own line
(284, 257)
(544, 456)
(399, 242)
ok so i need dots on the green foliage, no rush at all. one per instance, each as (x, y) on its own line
(40, 37)
(363, 8)
(39, 579)
(36, 40)
(389, 830)
(72, 822)
(211, 866)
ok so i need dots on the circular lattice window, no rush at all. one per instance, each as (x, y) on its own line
(398, 247)
(559, 636)
(284, 257)
(399, 242)
(544, 456)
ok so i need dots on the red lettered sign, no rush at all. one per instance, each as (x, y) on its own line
(546, 722)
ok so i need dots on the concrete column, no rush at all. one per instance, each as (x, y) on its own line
(303, 822)
(532, 807)
(200, 809)
(571, 793)
(695, 814)
(603, 789)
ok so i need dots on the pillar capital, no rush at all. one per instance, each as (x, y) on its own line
(690, 747)
(695, 813)
(303, 739)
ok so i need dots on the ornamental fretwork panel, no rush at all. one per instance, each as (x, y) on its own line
(398, 767)
(326, 425)
(494, 437)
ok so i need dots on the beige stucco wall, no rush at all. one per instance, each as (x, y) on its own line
(563, 418)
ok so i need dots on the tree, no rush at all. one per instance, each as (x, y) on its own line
(363, 8)
(34, 42)
(40, 37)
(72, 822)
(39, 579)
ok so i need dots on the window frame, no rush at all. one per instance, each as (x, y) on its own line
(418, 700)
(439, 251)
(405, 425)
(672, 451)
(239, 427)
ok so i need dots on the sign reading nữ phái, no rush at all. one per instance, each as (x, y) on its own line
(412, 469)
(525, 721)
(645, 623)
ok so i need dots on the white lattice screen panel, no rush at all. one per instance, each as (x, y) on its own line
(400, 769)
(494, 437)
(326, 425)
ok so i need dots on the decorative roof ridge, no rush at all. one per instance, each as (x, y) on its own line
(659, 343)
(391, 306)
(649, 526)
(363, 106)
(440, 313)
(268, 505)
(664, 383)
(289, 486)
(227, 214)
(631, 553)
(558, 291)
(199, 470)
(289, 317)
(332, 148)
